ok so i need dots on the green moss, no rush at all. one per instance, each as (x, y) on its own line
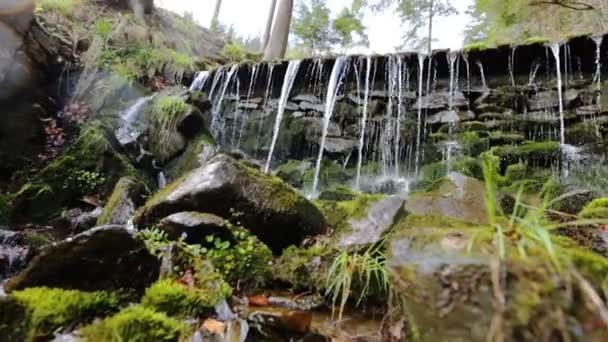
(175, 299)
(330, 174)
(473, 144)
(582, 133)
(338, 213)
(516, 172)
(537, 40)
(473, 126)
(235, 53)
(189, 160)
(166, 114)
(477, 46)
(537, 154)
(48, 309)
(304, 268)
(501, 138)
(126, 188)
(597, 209)
(136, 324)
(64, 7)
(292, 172)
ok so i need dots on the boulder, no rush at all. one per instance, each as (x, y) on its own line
(103, 258)
(269, 208)
(457, 196)
(127, 196)
(340, 145)
(312, 107)
(194, 227)
(379, 217)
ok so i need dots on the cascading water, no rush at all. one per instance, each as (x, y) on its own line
(397, 142)
(290, 76)
(419, 121)
(368, 67)
(238, 114)
(128, 131)
(451, 60)
(200, 80)
(267, 95)
(555, 48)
(512, 66)
(330, 101)
(483, 75)
(252, 81)
(217, 117)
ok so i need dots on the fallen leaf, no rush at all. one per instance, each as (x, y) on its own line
(259, 300)
(214, 326)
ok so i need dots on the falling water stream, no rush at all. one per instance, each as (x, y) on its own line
(368, 68)
(290, 76)
(200, 80)
(419, 121)
(127, 131)
(330, 101)
(216, 120)
(555, 47)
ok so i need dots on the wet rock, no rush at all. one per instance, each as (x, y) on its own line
(194, 227)
(293, 171)
(447, 116)
(269, 208)
(126, 197)
(315, 127)
(340, 145)
(311, 107)
(14, 253)
(103, 258)
(199, 151)
(379, 217)
(79, 220)
(457, 196)
(440, 100)
(307, 98)
(543, 100)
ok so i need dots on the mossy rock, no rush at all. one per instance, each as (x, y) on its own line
(36, 313)
(339, 193)
(126, 197)
(473, 144)
(597, 209)
(540, 154)
(331, 173)
(90, 167)
(177, 300)
(501, 138)
(304, 268)
(136, 324)
(582, 134)
(456, 196)
(269, 208)
(200, 150)
(292, 172)
(444, 268)
(103, 258)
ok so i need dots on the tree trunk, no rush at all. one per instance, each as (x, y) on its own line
(273, 7)
(216, 14)
(277, 45)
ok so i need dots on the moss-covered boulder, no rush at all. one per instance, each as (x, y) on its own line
(35, 314)
(460, 285)
(198, 152)
(597, 209)
(269, 208)
(292, 172)
(127, 196)
(103, 258)
(455, 196)
(91, 166)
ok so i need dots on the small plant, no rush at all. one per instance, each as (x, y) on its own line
(234, 52)
(84, 182)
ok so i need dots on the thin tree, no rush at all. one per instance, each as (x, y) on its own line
(273, 8)
(277, 44)
(216, 14)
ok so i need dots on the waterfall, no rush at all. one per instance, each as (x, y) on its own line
(483, 75)
(216, 80)
(397, 141)
(419, 123)
(290, 76)
(555, 47)
(266, 98)
(533, 72)
(127, 132)
(452, 55)
(368, 68)
(597, 79)
(512, 66)
(466, 63)
(217, 119)
(200, 80)
(252, 80)
(330, 101)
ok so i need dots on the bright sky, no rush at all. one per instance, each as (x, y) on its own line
(384, 29)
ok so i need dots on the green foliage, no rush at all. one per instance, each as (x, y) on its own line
(597, 209)
(234, 52)
(348, 23)
(246, 260)
(104, 28)
(136, 324)
(64, 7)
(177, 300)
(311, 25)
(84, 182)
(48, 309)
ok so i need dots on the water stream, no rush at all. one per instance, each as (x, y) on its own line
(555, 48)
(335, 80)
(368, 68)
(290, 76)
(128, 131)
(200, 80)
(217, 116)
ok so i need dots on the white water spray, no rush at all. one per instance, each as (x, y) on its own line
(555, 47)
(200, 80)
(216, 119)
(419, 123)
(290, 76)
(127, 132)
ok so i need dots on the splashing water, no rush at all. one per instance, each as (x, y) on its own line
(419, 123)
(217, 119)
(555, 47)
(397, 141)
(332, 90)
(368, 68)
(483, 75)
(127, 131)
(200, 80)
(254, 74)
(290, 76)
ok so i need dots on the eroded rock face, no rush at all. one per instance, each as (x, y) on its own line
(458, 196)
(269, 208)
(103, 258)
